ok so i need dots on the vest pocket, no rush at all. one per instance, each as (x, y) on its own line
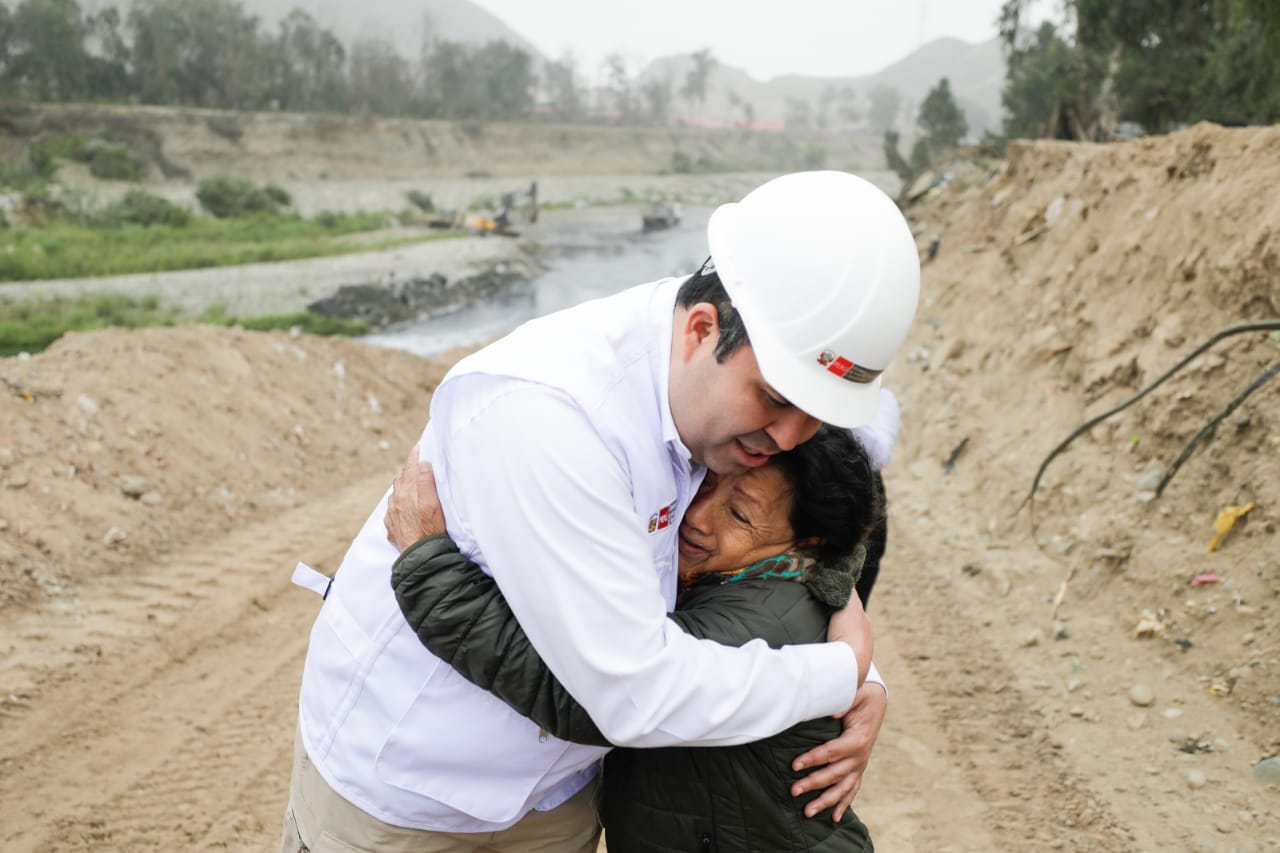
(460, 746)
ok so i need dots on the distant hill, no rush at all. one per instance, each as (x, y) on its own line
(976, 72)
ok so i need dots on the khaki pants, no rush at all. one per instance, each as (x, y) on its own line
(320, 821)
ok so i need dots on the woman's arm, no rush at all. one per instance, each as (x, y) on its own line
(459, 613)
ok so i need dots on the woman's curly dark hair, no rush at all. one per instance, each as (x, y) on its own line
(837, 498)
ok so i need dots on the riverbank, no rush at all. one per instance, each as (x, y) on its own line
(402, 284)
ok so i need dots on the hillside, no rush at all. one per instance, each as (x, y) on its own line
(976, 73)
(181, 145)
(1087, 677)
(1066, 279)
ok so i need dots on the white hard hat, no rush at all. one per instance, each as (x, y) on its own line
(826, 275)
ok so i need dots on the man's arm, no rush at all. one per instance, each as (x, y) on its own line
(524, 473)
(459, 613)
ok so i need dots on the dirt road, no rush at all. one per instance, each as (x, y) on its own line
(164, 716)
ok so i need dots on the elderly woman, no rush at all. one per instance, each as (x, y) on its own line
(765, 555)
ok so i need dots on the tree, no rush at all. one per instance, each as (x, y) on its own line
(108, 58)
(883, 111)
(618, 87)
(847, 106)
(6, 40)
(657, 100)
(1160, 63)
(46, 54)
(798, 115)
(205, 53)
(507, 75)
(826, 99)
(1241, 79)
(1045, 95)
(447, 81)
(941, 121)
(307, 65)
(380, 79)
(894, 158)
(695, 81)
(563, 92)
(747, 109)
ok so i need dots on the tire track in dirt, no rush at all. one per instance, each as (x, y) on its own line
(177, 732)
(1030, 794)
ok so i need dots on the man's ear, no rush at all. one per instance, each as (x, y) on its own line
(701, 326)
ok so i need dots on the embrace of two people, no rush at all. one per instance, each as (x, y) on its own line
(660, 450)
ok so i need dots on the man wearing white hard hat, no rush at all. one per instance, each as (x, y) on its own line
(565, 455)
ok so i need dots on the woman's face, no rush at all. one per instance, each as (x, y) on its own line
(736, 520)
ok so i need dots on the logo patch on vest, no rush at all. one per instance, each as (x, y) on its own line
(661, 519)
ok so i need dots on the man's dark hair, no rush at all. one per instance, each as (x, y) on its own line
(705, 286)
(837, 495)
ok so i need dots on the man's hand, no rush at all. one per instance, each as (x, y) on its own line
(413, 510)
(842, 761)
(851, 625)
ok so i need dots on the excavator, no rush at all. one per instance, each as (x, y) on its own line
(499, 222)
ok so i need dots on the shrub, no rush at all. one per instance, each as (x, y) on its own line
(278, 195)
(224, 197)
(112, 162)
(47, 155)
(40, 205)
(421, 200)
(143, 208)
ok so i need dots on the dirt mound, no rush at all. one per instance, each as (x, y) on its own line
(119, 446)
(1063, 281)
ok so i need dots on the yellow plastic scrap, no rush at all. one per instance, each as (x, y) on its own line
(1227, 519)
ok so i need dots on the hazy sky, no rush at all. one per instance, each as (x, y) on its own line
(816, 37)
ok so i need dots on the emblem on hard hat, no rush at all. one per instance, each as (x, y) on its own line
(846, 369)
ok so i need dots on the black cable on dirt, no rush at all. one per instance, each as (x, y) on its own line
(1217, 419)
(1230, 331)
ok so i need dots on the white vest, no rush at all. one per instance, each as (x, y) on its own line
(398, 732)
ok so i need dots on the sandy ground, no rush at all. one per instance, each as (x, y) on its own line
(1056, 685)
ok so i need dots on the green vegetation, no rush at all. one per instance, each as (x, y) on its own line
(303, 321)
(142, 208)
(225, 197)
(31, 325)
(1158, 64)
(217, 54)
(105, 159)
(940, 126)
(71, 249)
(421, 200)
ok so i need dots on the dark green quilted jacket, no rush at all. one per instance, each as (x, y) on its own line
(714, 799)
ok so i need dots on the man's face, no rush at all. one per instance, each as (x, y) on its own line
(727, 415)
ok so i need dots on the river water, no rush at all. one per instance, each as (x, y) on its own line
(588, 254)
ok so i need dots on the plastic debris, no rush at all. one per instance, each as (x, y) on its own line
(1207, 577)
(1227, 519)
